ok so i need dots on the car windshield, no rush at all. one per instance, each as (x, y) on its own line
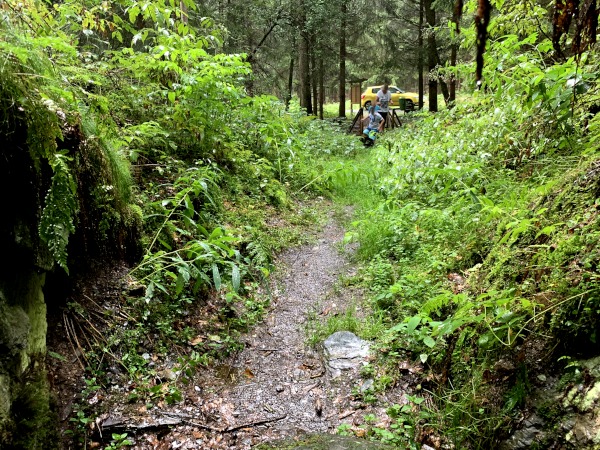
(395, 90)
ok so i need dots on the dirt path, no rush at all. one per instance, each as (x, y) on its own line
(277, 386)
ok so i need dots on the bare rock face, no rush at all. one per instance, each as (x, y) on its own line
(525, 437)
(345, 350)
(562, 417)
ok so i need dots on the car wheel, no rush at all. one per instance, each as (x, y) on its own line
(367, 105)
(410, 106)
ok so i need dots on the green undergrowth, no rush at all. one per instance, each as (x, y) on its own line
(146, 126)
(210, 238)
(479, 241)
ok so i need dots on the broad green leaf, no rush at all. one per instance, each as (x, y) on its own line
(216, 277)
(413, 323)
(235, 277)
(429, 342)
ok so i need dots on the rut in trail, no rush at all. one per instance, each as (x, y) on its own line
(277, 386)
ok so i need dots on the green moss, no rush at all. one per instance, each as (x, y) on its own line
(591, 397)
(34, 421)
(550, 410)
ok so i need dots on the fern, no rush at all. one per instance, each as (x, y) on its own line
(258, 254)
(60, 207)
(435, 304)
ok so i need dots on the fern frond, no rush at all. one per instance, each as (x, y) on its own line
(59, 211)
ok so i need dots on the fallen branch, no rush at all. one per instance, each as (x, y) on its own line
(121, 424)
(70, 339)
(184, 418)
(346, 414)
(255, 423)
(203, 426)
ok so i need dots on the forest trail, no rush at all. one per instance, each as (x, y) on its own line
(276, 386)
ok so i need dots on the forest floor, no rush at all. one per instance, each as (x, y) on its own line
(277, 386)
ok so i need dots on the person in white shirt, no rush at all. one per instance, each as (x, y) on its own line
(384, 100)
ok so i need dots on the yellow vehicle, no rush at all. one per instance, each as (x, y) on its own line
(369, 96)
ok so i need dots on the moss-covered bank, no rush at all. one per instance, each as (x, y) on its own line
(53, 219)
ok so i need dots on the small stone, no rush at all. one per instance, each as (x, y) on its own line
(504, 366)
(298, 374)
(167, 374)
(279, 388)
(368, 384)
(541, 377)
(146, 356)
(197, 388)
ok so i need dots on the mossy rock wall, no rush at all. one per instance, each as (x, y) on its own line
(23, 268)
(23, 329)
(26, 419)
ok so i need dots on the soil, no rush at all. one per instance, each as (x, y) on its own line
(65, 361)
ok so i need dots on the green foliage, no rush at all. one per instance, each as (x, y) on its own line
(119, 441)
(484, 234)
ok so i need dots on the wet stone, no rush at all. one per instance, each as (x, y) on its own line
(368, 384)
(525, 437)
(345, 350)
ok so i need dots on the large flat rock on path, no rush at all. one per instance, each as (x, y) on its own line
(345, 350)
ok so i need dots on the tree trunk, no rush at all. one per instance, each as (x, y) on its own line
(431, 55)
(453, 54)
(184, 12)
(452, 93)
(313, 76)
(445, 92)
(321, 87)
(421, 51)
(290, 85)
(304, 74)
(443, 84)
(342, 80)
